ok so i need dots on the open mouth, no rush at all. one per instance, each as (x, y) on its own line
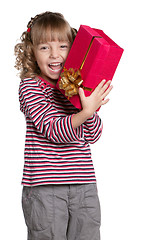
(55, 67)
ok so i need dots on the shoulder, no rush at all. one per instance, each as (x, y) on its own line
(30, 87)
(28, 82)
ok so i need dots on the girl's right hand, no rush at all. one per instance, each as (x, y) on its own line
(96, 99)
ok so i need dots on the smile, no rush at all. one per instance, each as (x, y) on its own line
(55, 67)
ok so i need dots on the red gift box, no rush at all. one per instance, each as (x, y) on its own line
(95, 56)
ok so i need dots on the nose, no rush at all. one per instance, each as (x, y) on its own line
(54, 53)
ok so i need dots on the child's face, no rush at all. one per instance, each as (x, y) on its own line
(50, 58)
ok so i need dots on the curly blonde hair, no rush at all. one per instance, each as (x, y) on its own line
(47, 26)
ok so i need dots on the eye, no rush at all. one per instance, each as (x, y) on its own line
(64, 46)
(44, 48)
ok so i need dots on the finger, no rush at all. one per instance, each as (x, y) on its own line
(105, 86)
(108, 82)
(107, 91)
(105, 101)
(100, 85)
(81, 94)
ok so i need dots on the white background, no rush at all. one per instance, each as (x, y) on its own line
(126, 157)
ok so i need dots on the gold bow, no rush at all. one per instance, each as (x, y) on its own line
(70, 81)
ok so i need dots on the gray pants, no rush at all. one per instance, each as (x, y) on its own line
(62, 212)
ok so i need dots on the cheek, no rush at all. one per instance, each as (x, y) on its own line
(66, 54)
(39, 58)
(41, 66)
(40, 62)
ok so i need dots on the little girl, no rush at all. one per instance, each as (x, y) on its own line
(59, 197)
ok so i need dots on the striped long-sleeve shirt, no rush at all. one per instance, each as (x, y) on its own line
(55, 152)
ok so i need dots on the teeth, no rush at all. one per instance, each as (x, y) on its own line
(55, 64)
(55, 67)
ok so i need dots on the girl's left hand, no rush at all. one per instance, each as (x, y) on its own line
(97, 98)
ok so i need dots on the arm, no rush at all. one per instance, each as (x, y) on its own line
(44, 115)
(92, 128)
(92, 103)
(46, 118)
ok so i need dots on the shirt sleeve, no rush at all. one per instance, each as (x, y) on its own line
(93, 128)
(44, 116)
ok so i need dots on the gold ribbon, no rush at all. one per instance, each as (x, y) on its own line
(71, 79)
